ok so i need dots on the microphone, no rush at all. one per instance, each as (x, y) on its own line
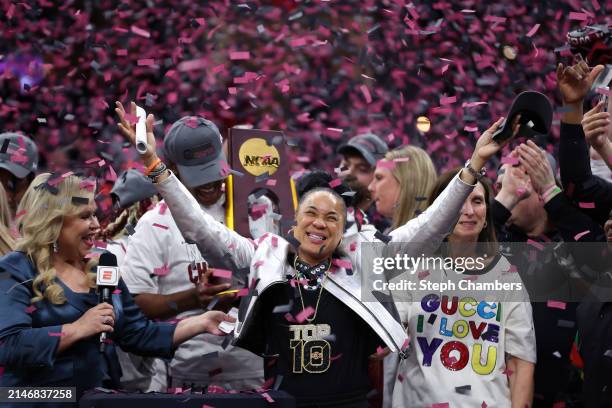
(107, 279)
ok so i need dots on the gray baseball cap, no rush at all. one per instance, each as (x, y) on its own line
(131, 187)
(194, 145)
(18, 154)
(370, 146)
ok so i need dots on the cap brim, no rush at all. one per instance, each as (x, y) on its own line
(532, 106)
(17, 170)
(194, 176)
(358, 149)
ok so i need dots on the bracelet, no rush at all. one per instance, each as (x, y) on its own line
(152, 166)
(478, 175)
(550, 193)
(548, 189)
(158, 171)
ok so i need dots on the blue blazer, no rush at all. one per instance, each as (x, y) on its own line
(28, 344)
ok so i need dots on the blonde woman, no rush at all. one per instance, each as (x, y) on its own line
(50, 318)
(402, 183)
(7, 242)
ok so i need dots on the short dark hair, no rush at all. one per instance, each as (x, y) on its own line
(319, 180)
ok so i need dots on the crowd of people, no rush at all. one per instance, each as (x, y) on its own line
(201, 307)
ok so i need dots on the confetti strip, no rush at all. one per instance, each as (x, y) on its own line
(533, 30)
(580, 235)
(586, 205)
(222, 273)
(304, 314)
(553, 304)
(164, 227)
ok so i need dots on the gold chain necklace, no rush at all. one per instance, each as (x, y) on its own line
(314, 316)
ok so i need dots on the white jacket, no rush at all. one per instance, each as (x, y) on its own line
(222, 246)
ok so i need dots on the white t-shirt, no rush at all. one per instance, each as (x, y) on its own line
(138, 373)
(157, 243)
(450, 360)
(599, 168)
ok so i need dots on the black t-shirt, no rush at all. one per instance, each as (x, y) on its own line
(324, 361)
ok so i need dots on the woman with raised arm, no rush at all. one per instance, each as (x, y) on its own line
(304, 303)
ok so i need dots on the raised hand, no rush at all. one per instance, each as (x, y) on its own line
(486, 147)
(128, 129)
(596, 126)
(575, 81)
(536, 164)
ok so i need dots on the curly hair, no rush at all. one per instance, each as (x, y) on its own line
(44, 207)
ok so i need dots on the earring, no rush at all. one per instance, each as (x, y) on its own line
(485, 225)
(55, 247)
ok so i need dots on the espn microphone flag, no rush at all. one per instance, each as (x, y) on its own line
(108, 271)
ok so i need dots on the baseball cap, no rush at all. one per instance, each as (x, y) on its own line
(18, 154)
(370, 146)
(194, 145)
(536, 116)
(131, 187)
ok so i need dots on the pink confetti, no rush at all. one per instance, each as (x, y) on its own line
(553, 304)
(289, 318)
(30, 309)
(495, 19)
(423, 274)
(586, 205)
(335, 183)
(145, 62)
(448, 100)
(222, 273)
(472, 104)
(366, 93)
(440, 405)
(162, 271)
(578, 16)
(304, 314)
(267, 397)
(353, 246)
(240, 55)
(271, 182)
(386, 164)
(160, 226)
(274, 240)
(471, 128)
(56, 334)
(343, 263)
(580, 235)
(117, 292)
(20, 214)
(510, 160)
(140, 32)
(242, 292)
(533, 30)
(483, 405)
(162, 208)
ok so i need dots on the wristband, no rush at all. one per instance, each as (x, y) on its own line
(548, 189)
(550, 193)
(152, 166)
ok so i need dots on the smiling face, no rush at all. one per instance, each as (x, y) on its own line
(385, 191)
(76, 238)
(472, 217)
(320, 225)
(208, 194)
